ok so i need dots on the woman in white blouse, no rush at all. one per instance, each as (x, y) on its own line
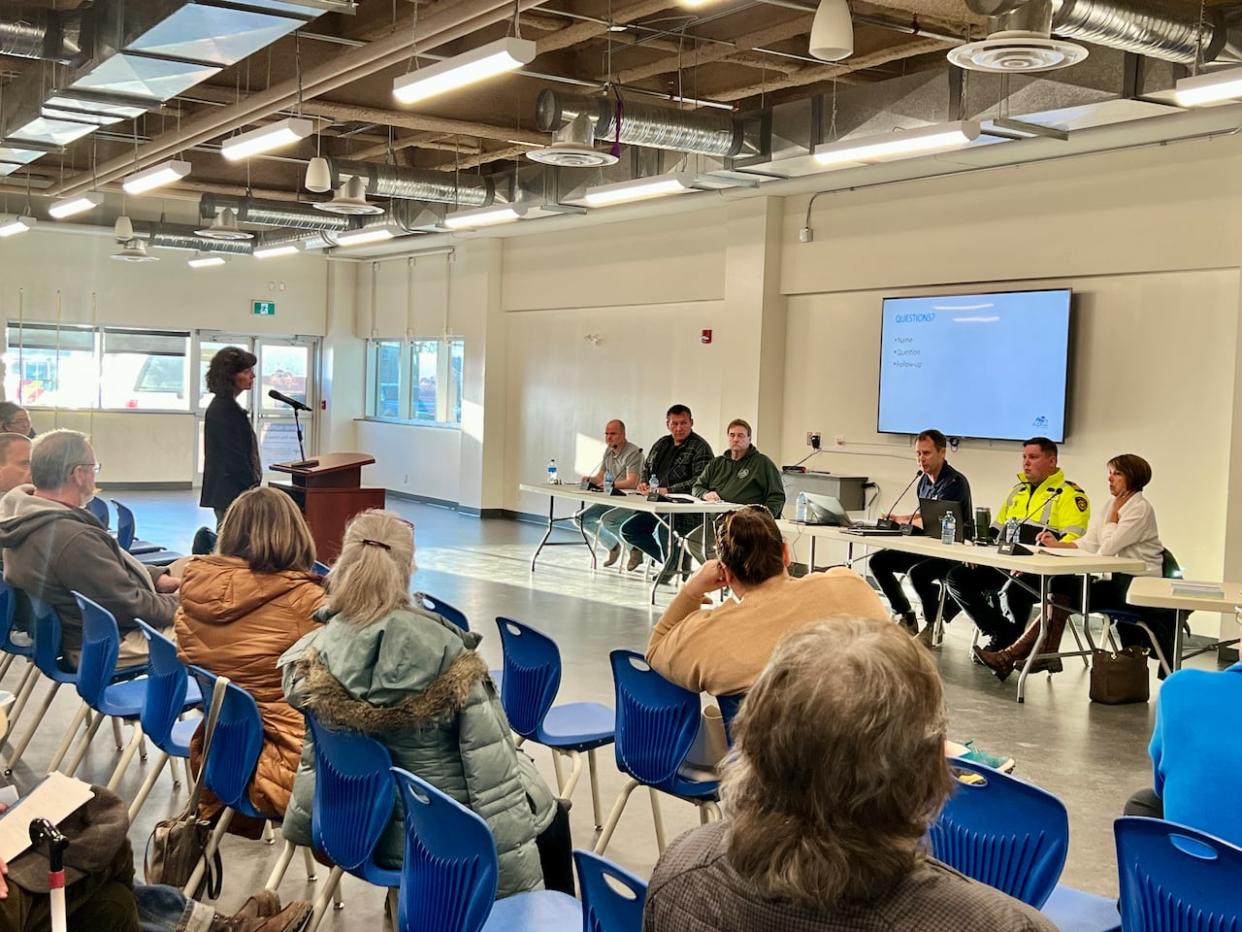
(1126, 527)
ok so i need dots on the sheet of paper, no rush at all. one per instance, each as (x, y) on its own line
(1074, 554)
(57, 797)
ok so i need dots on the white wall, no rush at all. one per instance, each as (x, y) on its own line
(51, 275)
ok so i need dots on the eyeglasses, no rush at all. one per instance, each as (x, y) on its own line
(93, 467)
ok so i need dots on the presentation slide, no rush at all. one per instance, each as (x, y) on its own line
(983, 365)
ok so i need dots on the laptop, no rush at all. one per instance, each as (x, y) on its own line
(827, 510)
(933, 512)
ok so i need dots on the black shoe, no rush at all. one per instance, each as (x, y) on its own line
(908, 621)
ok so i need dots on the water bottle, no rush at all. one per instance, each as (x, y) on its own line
(948, 528)
(653, 488)
(552, 477)
(608, 480)
(1011, 530)
(800, 508)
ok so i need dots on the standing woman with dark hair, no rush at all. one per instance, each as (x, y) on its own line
(230, 449)
(1125, 528)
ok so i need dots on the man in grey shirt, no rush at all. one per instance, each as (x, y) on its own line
(623, 460)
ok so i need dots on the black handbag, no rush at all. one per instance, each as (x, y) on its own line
(1118, 678)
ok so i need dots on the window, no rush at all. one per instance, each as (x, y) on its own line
(419, 380)
(52, 366)
(283, 368)
(145, 370)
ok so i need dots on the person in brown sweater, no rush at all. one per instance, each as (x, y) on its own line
(721, 650)
(241, 608)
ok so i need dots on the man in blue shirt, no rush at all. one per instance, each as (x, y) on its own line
(939, 482)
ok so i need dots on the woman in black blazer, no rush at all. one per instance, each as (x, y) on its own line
(230, 449)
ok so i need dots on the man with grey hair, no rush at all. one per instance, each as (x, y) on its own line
(51, 545)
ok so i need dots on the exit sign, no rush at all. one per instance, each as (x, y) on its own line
(263, 308)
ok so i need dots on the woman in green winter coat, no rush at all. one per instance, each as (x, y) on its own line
(382, 666)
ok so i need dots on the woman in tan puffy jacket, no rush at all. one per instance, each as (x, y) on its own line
(241, 608)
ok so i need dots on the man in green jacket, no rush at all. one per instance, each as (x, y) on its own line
(741, 475)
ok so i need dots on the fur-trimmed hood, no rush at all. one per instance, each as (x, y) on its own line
(440, 702)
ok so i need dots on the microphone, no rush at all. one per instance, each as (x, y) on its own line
(888, 524)
(286, 400)
(1015, 546)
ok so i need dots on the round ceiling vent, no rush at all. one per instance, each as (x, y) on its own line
(134, 250)
(572, 155)
(224, 227)
(1011, 52)
(350, 201)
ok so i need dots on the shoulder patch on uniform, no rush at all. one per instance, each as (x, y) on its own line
(1081, 502)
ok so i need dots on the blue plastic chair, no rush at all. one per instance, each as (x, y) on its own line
(13, 649)
(46, 629)
(229, 768)
(529, 681)
(729, 707)
(605, 908)
(657, 722)
(444, 610)
(102, 695)
(353, 803)
(146, 552)
(450, 871)
(99, 508)
(170, 690)
(1012, 835)
(1175, 878)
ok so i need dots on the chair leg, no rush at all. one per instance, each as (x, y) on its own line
(710, 808)
(560, 777)
(656, 817)
(520, 741)
(34, 726)
(1164, 663)
(24, 688)
(325, 896)
(128, 756)
(574, 775)
(394, 905)
(594, 787)
(213, 843)
(117, 737)
(615, 816)
(4, 666)
(309, 857)
(174, 767)
(66, 740)
(282, 865)
(147, 785)
(85, 744)
(1073, 629)
(142, 749)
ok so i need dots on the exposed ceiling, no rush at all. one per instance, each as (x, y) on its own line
(720, 55)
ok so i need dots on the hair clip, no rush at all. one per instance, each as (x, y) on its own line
(367, 542)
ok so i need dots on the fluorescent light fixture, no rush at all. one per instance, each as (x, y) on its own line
(484, 216)
(638, 189)
(271, 252)
(921, 141)
(364, 236)
(155, 177)
(486, 61)
(1216, 87)
(200, 261)
(266, 138)
(11, 226)
(72, 206)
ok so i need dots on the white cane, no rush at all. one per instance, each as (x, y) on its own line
(41, 830)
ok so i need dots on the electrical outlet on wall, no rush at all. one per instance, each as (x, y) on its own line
(813, 439)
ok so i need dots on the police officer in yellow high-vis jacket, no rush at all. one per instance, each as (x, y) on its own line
(1043, 498)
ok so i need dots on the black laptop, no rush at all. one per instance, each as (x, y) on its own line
(933, 512)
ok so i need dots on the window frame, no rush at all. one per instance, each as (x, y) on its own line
(407, 389)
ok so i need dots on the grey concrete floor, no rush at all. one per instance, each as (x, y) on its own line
(1091, 756)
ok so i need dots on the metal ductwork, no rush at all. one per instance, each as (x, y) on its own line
(29, 32)
(177, 237)
(1129, 27)
(272, 213)
(703, 133)
(412, 184)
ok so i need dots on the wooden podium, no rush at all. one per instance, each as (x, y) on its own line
(329, 494)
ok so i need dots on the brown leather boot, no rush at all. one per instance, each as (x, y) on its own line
(1002, 662)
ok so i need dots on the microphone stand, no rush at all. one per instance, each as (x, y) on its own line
(298, 425)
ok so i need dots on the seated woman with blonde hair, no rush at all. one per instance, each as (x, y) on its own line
(839, 772)
(241, 608)
(383, 666)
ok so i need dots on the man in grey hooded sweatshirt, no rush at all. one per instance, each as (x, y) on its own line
(52, 545)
